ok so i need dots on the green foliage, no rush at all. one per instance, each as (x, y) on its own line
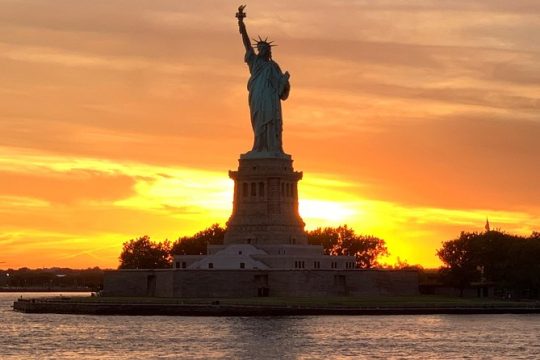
(196, 244)
(510, 261)
(142, 253)
(344, 241)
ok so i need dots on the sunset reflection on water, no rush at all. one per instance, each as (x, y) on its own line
(53, 336)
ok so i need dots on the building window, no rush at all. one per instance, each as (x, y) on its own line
(177, 265)
(240, 252)
(261, 189)
(253, 189)
(245, 189)
(248, 241)
(282, 189)
(210, 265)
(303, 265)
(242, 265)
(184, 265)
(288, 189)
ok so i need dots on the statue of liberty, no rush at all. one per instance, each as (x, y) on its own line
(267, 86)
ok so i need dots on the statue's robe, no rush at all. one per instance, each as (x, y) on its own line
(267, 86)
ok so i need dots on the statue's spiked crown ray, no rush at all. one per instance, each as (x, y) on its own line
(261, 42)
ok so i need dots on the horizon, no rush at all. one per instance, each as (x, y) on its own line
(410, 122)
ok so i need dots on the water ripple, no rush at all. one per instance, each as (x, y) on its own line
(53, 336)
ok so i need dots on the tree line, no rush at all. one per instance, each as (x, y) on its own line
(55, 279)
(143, 253)
(510, 262)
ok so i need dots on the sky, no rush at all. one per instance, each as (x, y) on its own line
(411, 120)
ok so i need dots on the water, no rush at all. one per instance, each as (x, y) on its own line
(51, 336)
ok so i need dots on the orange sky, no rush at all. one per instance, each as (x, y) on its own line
(411, 120)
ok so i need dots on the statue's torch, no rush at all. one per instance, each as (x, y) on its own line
(240, 15)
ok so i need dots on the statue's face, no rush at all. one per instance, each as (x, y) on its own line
(264, 51)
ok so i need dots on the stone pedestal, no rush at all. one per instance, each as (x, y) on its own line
(265, 205)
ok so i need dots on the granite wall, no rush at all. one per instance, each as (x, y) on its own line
(249, 283)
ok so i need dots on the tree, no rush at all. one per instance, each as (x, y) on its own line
(523, 272)
(344, 241)
(403, 265)
(509, 261)
(142, 253)
(330, 238)
(460, 261)
(196, 244)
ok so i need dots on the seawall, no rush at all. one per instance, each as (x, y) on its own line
(131, 307)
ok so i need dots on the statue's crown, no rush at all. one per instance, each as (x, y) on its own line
(261, 42)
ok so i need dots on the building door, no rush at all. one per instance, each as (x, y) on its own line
(151, 285)
(261, 282)
(340, 285)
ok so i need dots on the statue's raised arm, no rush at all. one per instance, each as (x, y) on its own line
(240, 15)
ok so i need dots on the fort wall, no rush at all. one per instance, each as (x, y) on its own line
(251, 283)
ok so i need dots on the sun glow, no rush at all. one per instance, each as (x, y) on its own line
(322, 213)
(166, 202)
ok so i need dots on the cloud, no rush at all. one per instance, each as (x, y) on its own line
(98, 195)
(463, 161)
(121, 117)
(54, 56)
(67, 187)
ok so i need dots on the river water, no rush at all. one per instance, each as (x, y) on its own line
(52, 336)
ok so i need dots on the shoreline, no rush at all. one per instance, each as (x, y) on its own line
(66, 305)
(46, 290)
